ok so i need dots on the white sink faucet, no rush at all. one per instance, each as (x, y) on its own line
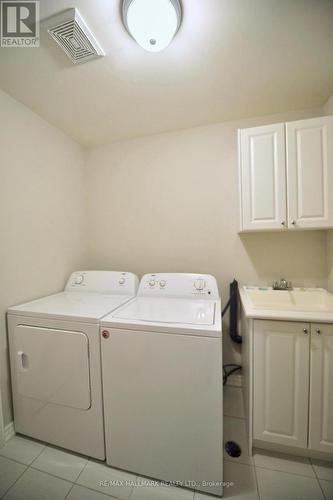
(283, 285)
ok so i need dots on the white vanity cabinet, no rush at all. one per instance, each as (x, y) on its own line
(292, 385)
(286, 175)
(281, 382)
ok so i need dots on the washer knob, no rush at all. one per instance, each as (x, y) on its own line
(79, 279)
(122, 281)
(199, 284)
(162, 283)
(152, 283)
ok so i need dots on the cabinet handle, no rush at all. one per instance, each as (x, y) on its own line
(318, 331)
(283, 223)
(293, 222)
(305, 330)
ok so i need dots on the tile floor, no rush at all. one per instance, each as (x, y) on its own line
(30, 470)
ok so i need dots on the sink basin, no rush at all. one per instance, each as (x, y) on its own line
(298, 299)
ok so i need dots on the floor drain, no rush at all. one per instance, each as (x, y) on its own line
(233, 449)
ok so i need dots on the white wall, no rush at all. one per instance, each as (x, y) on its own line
(328, 110)
(169, 202)
(42, 214)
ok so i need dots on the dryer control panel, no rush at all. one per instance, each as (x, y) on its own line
(182, 285)
(113, 282)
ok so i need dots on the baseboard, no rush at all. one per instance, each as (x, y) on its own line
(292, 450)
(235, 380)
(9, 431)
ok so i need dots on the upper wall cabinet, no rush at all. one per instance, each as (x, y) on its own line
(263, 177)
(286, 175)
(310, 172)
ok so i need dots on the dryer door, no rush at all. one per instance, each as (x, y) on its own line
(53, 366)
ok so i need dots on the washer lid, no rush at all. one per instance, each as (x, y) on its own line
(72, 305)
(167, 310)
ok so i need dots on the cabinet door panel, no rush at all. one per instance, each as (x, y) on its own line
(262, 177)
(281, 382)
(310, 173)
(321, 388)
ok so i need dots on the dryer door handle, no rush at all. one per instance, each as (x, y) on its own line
(22, 359)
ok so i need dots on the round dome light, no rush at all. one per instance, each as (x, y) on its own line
(152, 23)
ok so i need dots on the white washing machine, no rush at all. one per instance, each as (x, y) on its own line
(55, 360)
(162, 382)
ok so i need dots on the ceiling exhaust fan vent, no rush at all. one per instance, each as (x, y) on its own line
(71, 33)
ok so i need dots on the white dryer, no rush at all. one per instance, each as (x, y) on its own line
(55, 363)
(162, 382)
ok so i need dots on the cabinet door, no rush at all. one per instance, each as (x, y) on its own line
(321, 388)
(281, 382)
(262, 177)
(310, 173)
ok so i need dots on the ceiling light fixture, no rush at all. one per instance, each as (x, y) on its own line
(152, 23)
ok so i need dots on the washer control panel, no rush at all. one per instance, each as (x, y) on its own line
(114, 282)
(186, 285)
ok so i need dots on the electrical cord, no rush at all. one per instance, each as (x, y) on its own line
(227, 373)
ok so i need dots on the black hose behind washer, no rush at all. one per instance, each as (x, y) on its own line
(233, 315)
(233, 326)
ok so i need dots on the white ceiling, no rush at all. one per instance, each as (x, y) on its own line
(231, 59)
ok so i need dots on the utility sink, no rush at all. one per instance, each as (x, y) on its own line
(298, 299)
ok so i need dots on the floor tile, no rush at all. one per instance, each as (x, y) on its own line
(9, 472)
(323, 470)
(234, 429)
(36, 485)
(327, 487)
(146, 489)
(242, 482)
(283, 463)
(60, 463)
(233, 405)
(107, 480)
(202, 496)
(22, 449)
(274, 485)
(81, 493)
